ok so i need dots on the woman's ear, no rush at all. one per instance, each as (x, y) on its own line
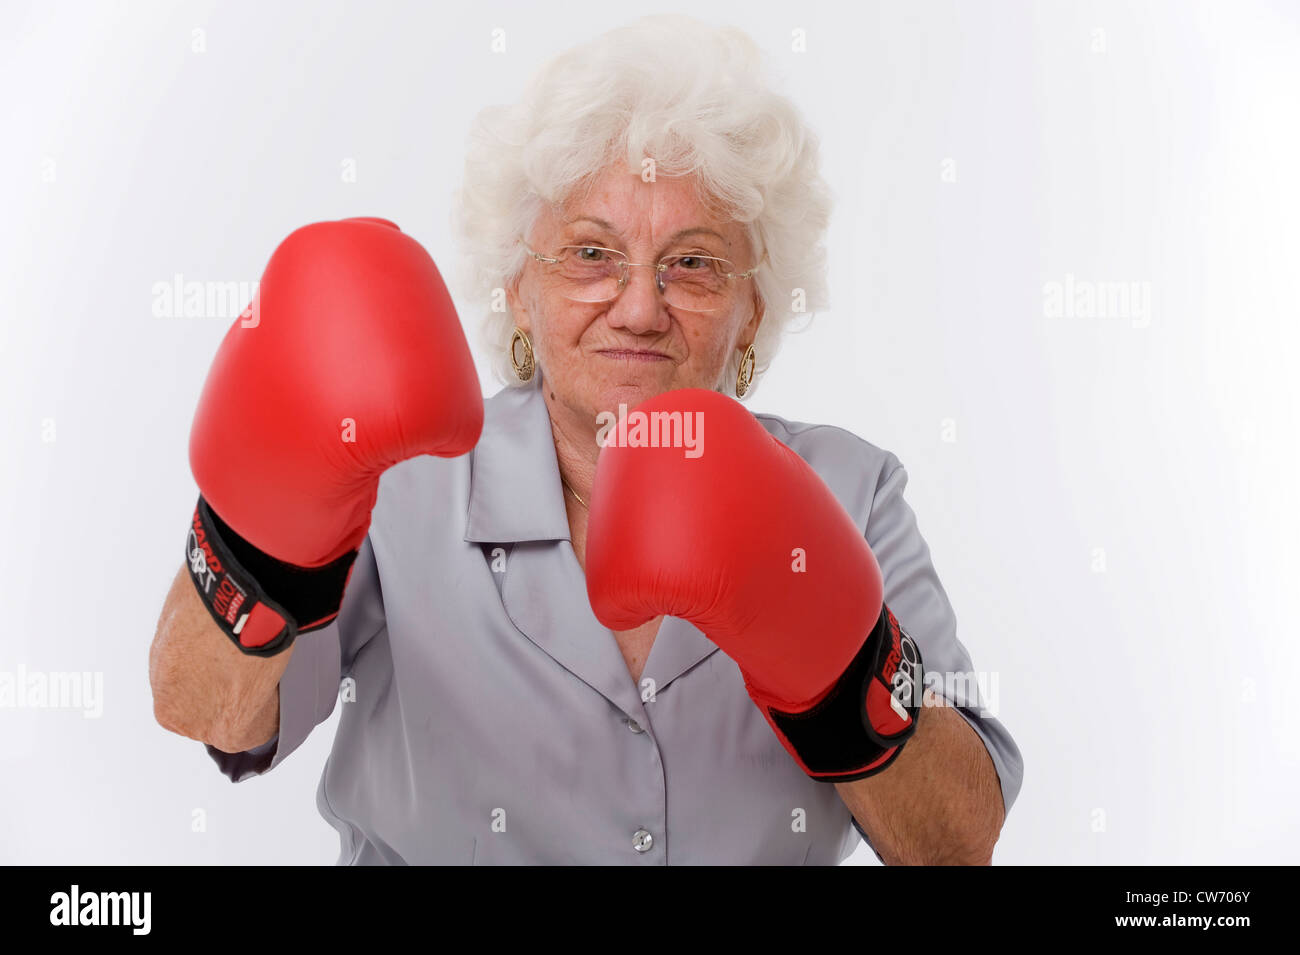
(518, 312)
(750, 330)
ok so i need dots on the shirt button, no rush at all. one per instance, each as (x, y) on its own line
(642, 841)
(634, 726)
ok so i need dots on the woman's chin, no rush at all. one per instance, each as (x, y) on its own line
(630, 393)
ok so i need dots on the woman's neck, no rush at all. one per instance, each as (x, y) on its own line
(575, 453)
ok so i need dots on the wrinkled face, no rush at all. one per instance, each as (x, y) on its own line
(595, 356)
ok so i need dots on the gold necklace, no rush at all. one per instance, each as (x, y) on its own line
(574, 493)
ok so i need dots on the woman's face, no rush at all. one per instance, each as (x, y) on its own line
(595, 356)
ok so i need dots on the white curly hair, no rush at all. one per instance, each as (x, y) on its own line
(695, 98)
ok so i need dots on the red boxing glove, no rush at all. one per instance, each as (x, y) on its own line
(743, 539)
(350, 360)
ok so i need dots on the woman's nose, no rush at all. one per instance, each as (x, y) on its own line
(639, 306)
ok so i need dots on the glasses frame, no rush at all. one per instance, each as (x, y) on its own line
(659, 267)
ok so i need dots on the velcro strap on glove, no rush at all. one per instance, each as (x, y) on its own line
(859, 726)
(236, 581)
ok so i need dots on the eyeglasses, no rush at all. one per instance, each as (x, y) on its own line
(592, 274)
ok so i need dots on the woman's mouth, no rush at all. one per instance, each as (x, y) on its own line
(632, 354)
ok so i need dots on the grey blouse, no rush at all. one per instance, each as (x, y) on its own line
(488, 717)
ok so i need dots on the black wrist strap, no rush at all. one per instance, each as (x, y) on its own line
(858, 729)
(259, 602)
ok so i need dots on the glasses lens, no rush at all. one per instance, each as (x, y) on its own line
(696, 282)
(589, 274)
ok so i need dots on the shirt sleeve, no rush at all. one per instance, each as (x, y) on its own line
(917, 598)
(309, 686)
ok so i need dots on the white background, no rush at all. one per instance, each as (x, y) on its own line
(1114, 521)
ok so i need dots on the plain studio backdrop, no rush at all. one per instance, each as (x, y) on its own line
(1063, 277)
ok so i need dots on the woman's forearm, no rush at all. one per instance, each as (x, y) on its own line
(203, 686)
(939, 803)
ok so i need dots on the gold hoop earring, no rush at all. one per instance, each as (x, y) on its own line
(745, 374)
(524, 367)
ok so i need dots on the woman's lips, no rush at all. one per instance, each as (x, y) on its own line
(629, 354)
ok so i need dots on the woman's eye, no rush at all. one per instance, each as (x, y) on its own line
(589, 253)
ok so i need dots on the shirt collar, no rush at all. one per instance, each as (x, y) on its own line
(515, 492)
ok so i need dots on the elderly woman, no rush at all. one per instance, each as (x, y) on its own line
(608, 615)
